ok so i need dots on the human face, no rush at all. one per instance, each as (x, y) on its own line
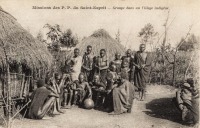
(89, 50)
(96, 78)
(124, 62)
(57, 77)
(76, 53)
(113, 68)
(81, 78)
(102, 53)
(142, 48)
(128, 53)
(120, 79)
(117, 56)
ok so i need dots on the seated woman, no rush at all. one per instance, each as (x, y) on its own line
(98, 91)
(123, 95)
(41, 101)
(81, 89)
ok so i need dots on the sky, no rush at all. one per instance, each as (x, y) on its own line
(128, 22)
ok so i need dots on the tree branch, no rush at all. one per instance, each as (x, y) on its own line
(188, 33)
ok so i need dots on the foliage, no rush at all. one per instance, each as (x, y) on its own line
(54, 32)
(68, 39)
(147, 34)
(58, 39)
(189, 44)
(184, 60)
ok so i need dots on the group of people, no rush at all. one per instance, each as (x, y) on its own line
(110, 84)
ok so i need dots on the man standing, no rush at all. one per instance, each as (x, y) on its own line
(87, 63)
(76, 64)
(142, 63)
(102, 65)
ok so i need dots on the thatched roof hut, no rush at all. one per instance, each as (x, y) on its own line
(100, 39)
(20, 45)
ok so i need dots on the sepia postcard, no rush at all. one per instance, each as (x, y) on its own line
(99, 64)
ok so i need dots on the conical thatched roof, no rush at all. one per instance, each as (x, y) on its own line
(20, 45)
(98, 40)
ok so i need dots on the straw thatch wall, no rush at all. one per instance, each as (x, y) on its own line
(20, 45)
(100, 39)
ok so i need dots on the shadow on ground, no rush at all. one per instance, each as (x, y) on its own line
(163, 108)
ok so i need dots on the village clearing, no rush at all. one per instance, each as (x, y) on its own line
(156, 112)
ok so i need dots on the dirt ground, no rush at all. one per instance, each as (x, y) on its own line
(156, 112)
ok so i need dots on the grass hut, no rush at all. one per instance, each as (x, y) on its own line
(19, 46)
(101, 39)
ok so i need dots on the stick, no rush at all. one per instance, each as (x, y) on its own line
(188, 65)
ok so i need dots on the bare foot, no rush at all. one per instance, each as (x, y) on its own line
(67, 107)
(60, 111)
(56, 113)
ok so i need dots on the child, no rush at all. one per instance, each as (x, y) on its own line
(67, 91)
(98, 89)
(81, 89)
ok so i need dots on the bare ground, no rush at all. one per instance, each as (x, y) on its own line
(156, 112)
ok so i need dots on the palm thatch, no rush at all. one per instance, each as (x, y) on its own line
(100, 39)
(20, 45)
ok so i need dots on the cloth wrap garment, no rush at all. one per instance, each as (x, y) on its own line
(141, 76)
(123, 97)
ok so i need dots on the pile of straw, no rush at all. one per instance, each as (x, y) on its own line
(100, 39)
(20, 45)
